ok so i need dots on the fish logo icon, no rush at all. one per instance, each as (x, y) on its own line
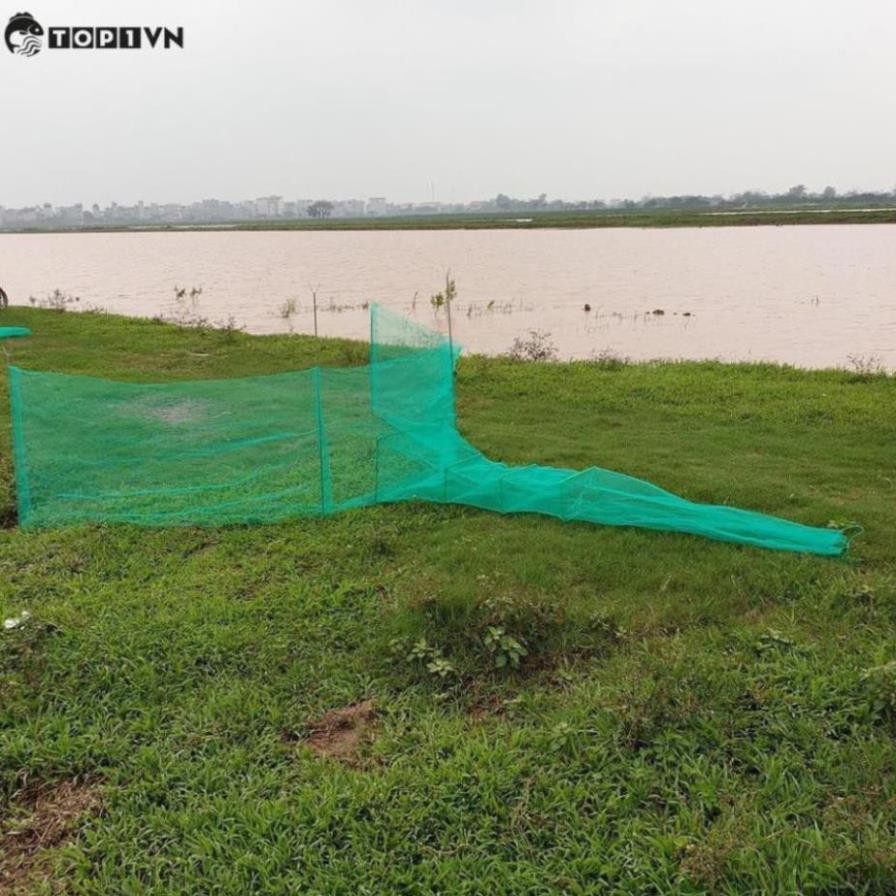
(23, 34)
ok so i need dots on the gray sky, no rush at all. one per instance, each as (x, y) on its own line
(343, 98)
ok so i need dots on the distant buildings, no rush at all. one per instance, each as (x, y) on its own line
(269, 207)
(206, 211)
(276, 208)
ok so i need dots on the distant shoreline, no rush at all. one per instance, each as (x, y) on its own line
(572, 220)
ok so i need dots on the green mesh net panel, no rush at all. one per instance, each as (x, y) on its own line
(312, 443)
(14, 332)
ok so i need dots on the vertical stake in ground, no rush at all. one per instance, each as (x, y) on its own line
(449, 295)
(323, 448)
(448, 291)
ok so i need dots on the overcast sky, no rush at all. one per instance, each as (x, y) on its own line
(463, 98)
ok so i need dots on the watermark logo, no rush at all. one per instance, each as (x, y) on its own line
(23, 34)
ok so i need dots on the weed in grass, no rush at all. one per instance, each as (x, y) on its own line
(537, 347)
(866, 367)
(607, 359)
(422, 654)
(880, 685)
(504, 648)
(188, 314)
(56, 301)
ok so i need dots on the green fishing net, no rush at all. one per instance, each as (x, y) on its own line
(14, 332)
(312, 443)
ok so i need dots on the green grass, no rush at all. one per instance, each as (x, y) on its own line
(534, 220)
(691, 716)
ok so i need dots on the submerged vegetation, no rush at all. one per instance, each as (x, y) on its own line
(423, 699)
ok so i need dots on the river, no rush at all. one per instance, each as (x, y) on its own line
(812, 296)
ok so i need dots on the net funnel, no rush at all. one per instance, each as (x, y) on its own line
(313, 443)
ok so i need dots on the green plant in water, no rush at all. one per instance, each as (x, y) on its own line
(288, 309)
(449, 294)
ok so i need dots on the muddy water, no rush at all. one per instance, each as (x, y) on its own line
(814, 296)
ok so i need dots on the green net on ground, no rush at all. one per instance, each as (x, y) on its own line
(14, 332)
(312, 443)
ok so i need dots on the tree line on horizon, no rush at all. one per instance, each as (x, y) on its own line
(796, 197)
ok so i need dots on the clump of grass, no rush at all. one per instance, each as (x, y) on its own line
(188, 314)
(467, 638)
(880, 685)
(607, 359)
(866, 367)
(537, 346)
(57, 300)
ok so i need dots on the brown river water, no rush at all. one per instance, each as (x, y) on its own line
(813, 296)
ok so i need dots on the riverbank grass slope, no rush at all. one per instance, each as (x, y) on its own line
(420, 699)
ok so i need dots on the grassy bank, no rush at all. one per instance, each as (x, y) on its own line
(538, 220)
(323, 706)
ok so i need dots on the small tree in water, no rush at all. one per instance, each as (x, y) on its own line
(449, 294)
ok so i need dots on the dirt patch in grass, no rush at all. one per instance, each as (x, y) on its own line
(9, 516)
(486, 707)
(340, 733)
(38, 819)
